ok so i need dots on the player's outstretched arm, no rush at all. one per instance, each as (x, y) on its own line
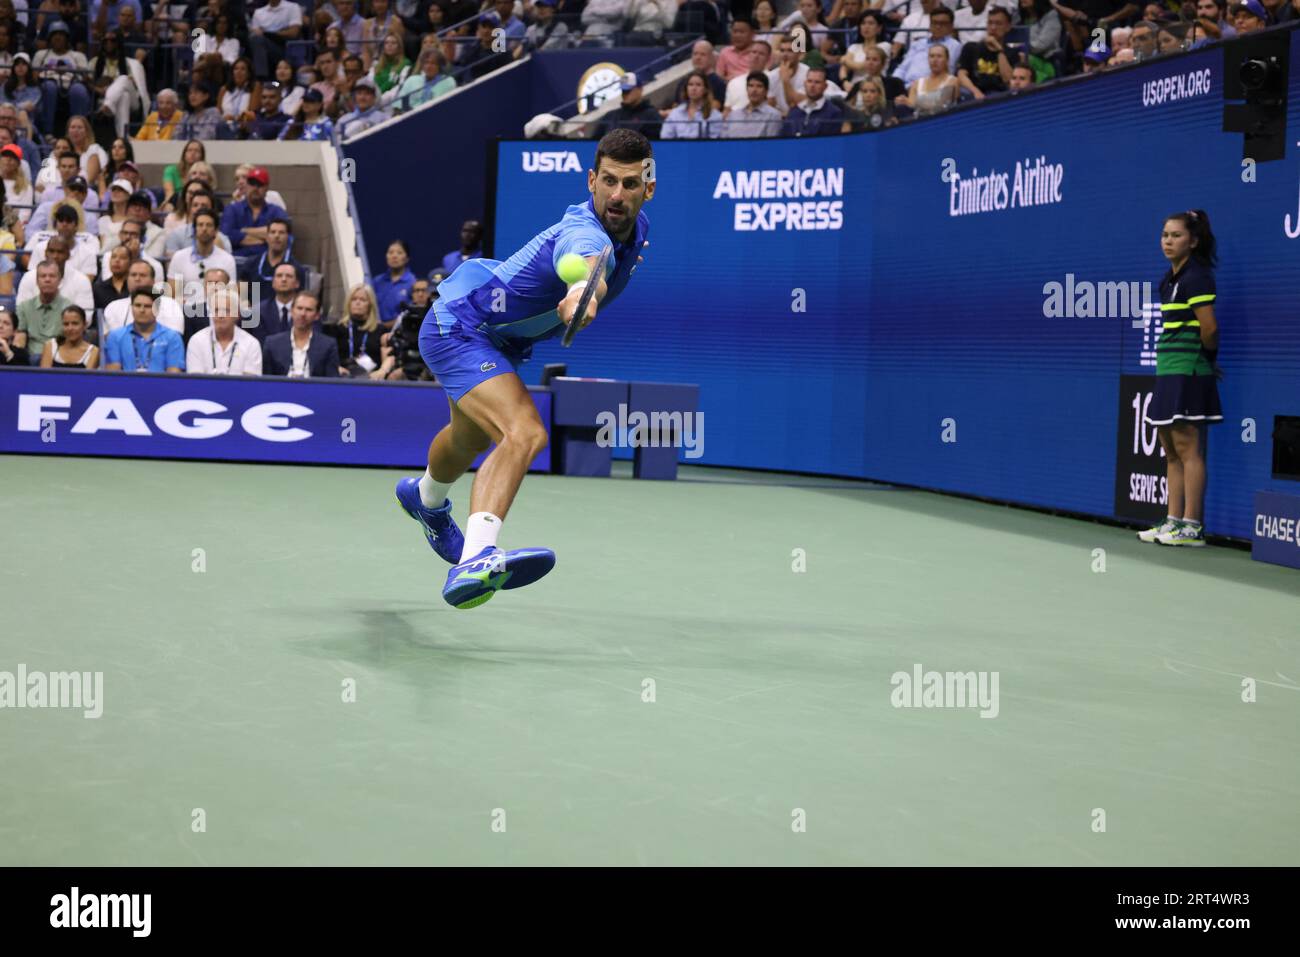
(570, 301)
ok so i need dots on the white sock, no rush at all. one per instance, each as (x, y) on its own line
(1192, 523)
(433, 493)
(480, 533)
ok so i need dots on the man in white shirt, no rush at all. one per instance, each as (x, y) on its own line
(273, 26)
(809, 14)
(118, 313)
(916, 62)
(84, 255)
(760, 51)
(130, 236)
(786, 81)
(223, 348)
(186, 269)
(74, 287)
(972, 21)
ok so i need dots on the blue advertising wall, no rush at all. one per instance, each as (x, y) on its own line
(225, 418)
(912, 315)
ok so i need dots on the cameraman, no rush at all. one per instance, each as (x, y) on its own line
(401, 347)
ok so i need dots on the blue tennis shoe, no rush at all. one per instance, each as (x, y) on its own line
(440, 528)
(477, 579)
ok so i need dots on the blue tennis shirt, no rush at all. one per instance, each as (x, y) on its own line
(514, 302)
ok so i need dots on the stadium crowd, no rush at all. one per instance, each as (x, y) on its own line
(89, 252)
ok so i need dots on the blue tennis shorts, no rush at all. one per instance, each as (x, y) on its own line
(462, 358)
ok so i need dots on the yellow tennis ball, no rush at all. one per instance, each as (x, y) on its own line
(573, 268)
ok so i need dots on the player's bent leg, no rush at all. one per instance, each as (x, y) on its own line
(502, 409)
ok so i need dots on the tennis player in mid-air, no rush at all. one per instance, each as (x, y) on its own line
(487, 316)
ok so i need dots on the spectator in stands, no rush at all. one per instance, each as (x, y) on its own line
(274, 310)
(393, 287)
(90, 154)
(546, 32)
(1044, 25)
(21, 89)
(1248, 16)
(353, 70)
(757, 117)
(391, 68)
(936, 92)
(1022, 77)
(240, 191)
(601, 20)
(367, 113)
(737, 96)
(350, 24)
(513, 26)
(636, 112)
(140, 278)
(245, 221)
(40, 317)
(162, 123)
(119, 80)
(146, 345)
(293, 85)
(269, 121)
(815, 115)
(698, 118)
(203, 121)
(71, 350)
(187, 268)
(139, 209)
(219, 38)
(176, 174)
(357, 334)
(788, 79)
(867, 108)
(1121, 38)
(699, 16)
(648, 20)
(223, 348)
(471, 246)
(73, 285)
(241, 98)
(735, 61)
(985, 67)
(1143, 39)
(300, 353)
(120, 151)
(18, 190)
(66, 165)
(310, 122)
(178, 228)
(60, 69)
(334, 43)
(916, 61)
(1095, 59)
(105, 14)
(486, 55)
(279, 250)
(702, 61)
(196, 313)
(871, 33)
(68, 225)
(10, 354)
(971, 20)
(429, 83)
(130, 238)
(75, 189)
(273, 26)
(1214, 11)
(114, 287)
(845, 29)
(809, 14)
(1170, 38)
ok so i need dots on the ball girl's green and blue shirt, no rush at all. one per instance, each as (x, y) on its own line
(514, 302)
(1179, 350)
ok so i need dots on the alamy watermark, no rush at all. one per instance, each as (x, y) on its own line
(653, 430)
(946, 689)
(1083, 299)
(78, 690)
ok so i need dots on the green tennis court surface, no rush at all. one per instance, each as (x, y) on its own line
(519, 733)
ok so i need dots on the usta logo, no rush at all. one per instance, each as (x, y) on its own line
(551, 161)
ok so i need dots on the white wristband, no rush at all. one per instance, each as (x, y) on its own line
(579, 285)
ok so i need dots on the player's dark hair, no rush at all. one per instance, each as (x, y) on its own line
(622, 146)
(1197, 222)
(761, 77)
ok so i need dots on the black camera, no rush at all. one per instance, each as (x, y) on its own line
(405, 340)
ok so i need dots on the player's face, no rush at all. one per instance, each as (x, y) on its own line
(619, 190)
(1175, 241)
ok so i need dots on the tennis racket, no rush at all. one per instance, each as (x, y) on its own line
(593, 281)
